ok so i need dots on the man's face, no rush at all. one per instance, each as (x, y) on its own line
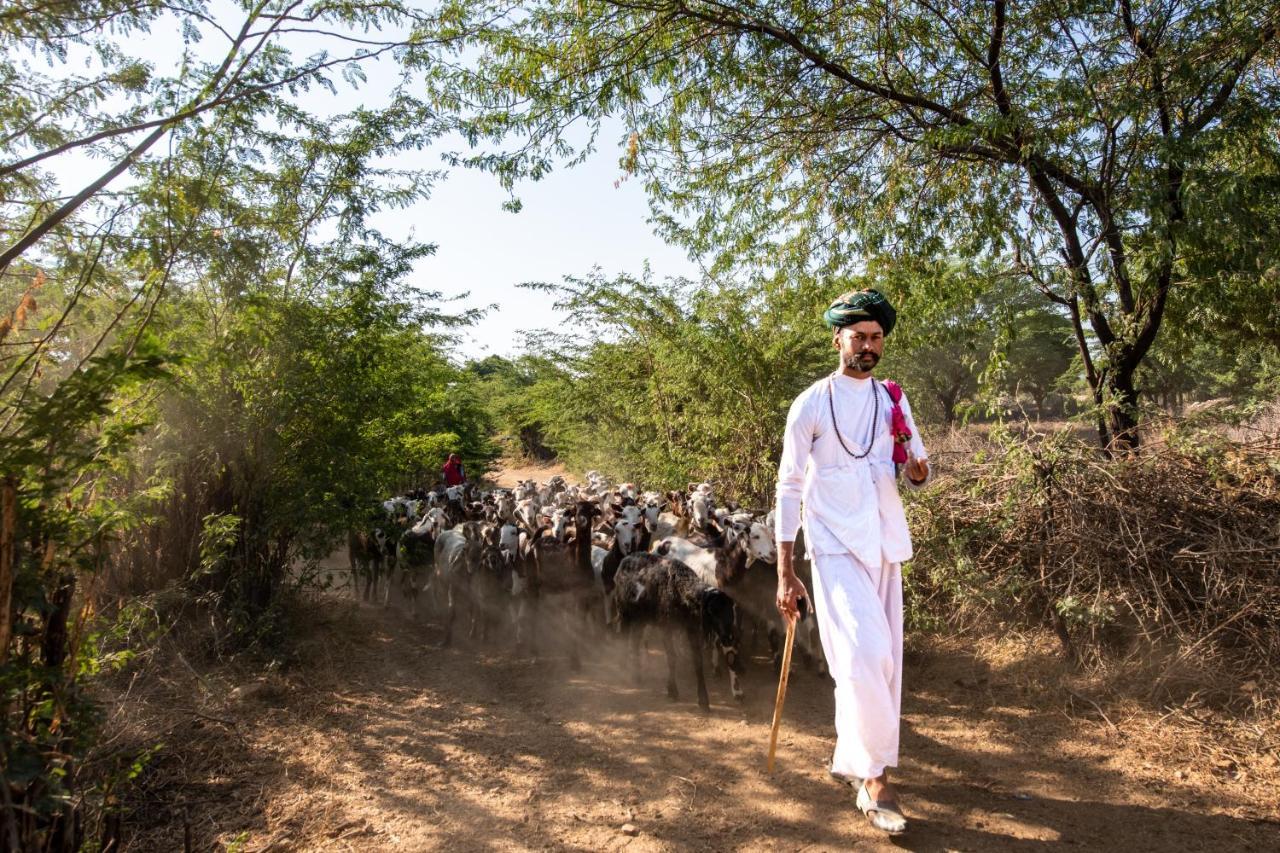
(860, 345)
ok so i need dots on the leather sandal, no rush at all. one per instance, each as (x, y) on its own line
(884, 815)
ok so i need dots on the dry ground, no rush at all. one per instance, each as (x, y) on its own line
(373, 738)
(512, 472)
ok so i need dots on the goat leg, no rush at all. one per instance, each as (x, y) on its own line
(735, 686)
(815, 643)
(535, 623)
(695, 649)
(633, 640)
(669, 647)
(717, 662)
(516, 612)
(450, 612)
(775, 649)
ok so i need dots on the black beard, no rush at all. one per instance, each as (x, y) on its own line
(854, 362)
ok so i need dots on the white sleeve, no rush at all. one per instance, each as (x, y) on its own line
(797, 442)
(916, 445)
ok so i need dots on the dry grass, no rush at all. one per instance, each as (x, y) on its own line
(1163, 568)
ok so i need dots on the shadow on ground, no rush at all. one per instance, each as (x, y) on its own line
(380, 740)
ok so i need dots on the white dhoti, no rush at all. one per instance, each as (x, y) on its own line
(860, 616)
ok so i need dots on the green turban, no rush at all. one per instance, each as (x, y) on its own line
(858, 305)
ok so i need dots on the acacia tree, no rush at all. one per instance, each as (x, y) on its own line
(667, 381)
(225, 58)
(1065, 137)
(199, 352)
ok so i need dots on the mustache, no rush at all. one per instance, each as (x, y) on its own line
(853, 360)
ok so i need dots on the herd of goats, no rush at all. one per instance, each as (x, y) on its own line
(618, 557)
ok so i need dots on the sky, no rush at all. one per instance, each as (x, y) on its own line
(571, 221)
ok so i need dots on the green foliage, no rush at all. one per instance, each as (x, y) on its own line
(511, 392)
(680, 381)
(296, 415)
(210, 363)
(663, 383)
(1082, 146)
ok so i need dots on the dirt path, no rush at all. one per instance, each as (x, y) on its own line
(371, 737)
(376, 739)
(511, 473)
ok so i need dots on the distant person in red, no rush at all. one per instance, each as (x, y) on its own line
(453, 473)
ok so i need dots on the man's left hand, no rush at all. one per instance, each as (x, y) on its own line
(917, 470)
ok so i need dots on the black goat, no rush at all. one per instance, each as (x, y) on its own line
(367, 557)
(490, 591)
(417, 561)
(657, 590)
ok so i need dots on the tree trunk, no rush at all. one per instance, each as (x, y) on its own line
(1122, 415)
(947, 400)
(8, 569)
(1099, 399)
(54, 647)
(1039, 401)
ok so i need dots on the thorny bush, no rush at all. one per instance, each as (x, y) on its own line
(1172, 555)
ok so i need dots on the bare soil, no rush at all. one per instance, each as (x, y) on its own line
(371, 737)
(374, 738)
(511, 471)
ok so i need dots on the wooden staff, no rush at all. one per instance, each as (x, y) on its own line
(782, 691)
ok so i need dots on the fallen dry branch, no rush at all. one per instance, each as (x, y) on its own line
(1176, 549)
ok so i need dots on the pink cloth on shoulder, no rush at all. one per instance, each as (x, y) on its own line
(898, 423)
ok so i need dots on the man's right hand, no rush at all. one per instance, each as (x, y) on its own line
(790, 589)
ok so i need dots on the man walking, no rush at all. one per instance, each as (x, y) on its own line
(846, 437)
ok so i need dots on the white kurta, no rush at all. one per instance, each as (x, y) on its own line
(856, 534)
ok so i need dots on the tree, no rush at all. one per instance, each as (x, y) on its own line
(940, 379)
(1074, 140)
(235, 66)
(208, 367)
(510, 390)
(945, 333)
(1037, 356)
(678, 380)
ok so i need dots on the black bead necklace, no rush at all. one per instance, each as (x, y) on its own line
(875, 416)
